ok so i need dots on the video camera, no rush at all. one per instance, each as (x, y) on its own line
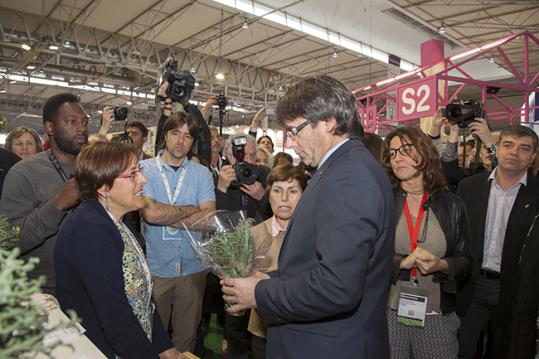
(464, 114)
(246, 172)
(181, 83)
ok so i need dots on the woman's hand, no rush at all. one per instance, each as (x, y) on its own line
(171, 353)
(408, 262)
(427, 262)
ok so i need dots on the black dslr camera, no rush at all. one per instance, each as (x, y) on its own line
(120, 113)
(246, 172)
(463, 114)
(181, 83)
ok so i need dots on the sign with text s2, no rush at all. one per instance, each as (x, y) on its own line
(417, 99)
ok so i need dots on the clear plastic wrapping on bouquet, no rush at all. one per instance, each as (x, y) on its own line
(224, 243)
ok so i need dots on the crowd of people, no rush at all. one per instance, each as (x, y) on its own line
(395, 247)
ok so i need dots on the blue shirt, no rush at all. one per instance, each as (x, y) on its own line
(169, 253)
(500, 204)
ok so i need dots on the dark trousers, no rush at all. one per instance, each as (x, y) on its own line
(481, 316)
(237, 336)
(258, 347)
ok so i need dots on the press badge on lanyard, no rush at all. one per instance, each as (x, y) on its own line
(412, 299)
(171, 233)
(412, 306)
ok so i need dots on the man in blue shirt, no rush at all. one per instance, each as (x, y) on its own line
(178, 191)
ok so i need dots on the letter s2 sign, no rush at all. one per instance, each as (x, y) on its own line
(417, 99)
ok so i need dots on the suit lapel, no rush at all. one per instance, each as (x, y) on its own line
(521, 207)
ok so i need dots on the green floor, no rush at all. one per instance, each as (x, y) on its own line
(214, 338)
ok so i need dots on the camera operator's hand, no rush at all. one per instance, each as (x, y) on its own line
(453, 134)
(480, 128)
(212, 101)
(258, 116)
(436, 124)
(255, 190)
(106, 120)
(162, 91)
(226, 176)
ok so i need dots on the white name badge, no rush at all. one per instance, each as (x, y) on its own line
(171, 234)
(412, 306)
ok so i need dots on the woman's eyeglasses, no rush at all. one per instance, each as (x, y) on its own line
(132, 174)
(405, 150)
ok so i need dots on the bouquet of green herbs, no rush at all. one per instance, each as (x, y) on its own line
(224, 243)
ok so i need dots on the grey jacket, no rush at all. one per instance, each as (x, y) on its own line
(26, 202)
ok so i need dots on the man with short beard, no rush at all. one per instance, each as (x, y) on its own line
(38, 192)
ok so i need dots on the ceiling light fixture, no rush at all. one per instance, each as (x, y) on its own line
(128, 103)
(26, 47)
(491, 60)
(53, 47)
(245, 25)
(12, 82)
(220, 76)
(334, 55)
(30, 67)
(441, 29)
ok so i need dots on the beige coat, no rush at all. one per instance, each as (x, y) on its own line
(261, 233)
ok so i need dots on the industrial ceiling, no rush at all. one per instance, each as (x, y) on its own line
(110, 51)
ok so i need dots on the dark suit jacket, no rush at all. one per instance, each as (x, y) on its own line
(475, 191)
(519, 297)
(90, 280)
(328, 298)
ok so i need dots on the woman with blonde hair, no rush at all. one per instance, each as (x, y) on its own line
(264, 156)
(24, 142)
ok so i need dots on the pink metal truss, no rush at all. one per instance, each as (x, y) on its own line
(374, 99)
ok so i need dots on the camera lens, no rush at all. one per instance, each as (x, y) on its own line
(247, 173)
(120, 113)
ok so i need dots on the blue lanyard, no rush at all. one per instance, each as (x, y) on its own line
(57, 165)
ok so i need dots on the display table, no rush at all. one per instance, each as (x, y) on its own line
(81, 347)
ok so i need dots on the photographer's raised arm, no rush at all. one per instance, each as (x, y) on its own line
(480, 128)
(106, 121)
(165, 215)
(205, 111)
(253, 128)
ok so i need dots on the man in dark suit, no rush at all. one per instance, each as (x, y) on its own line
(329, 294)
(496, 205)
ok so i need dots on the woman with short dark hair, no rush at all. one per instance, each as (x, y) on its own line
(285, 186)
(432, 251)
(101, 271)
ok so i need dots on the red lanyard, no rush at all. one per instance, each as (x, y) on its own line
(413, 231)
